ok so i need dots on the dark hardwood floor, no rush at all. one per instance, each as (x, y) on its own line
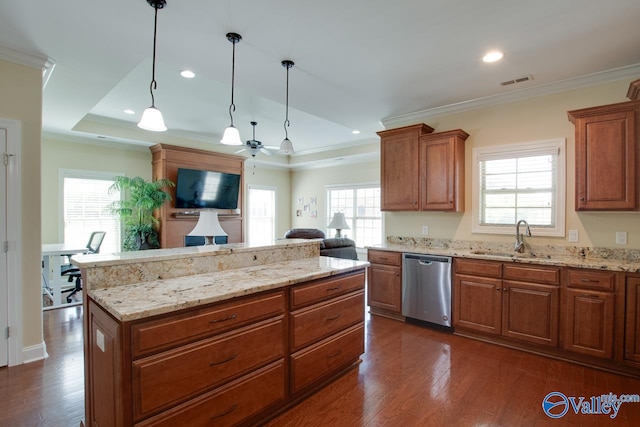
(410, 376)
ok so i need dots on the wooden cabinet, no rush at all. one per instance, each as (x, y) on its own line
(399, 162)
(632, 321)
(328, 334)
(421, 170)
(384, 291)
(442, 171)
(228, 363)
(515, 301)
(166, 160)
(607, 151)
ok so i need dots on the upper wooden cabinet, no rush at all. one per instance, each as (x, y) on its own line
(399, 162)
(421, 170)
(607, 157)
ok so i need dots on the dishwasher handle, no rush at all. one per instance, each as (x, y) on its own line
(425, 262)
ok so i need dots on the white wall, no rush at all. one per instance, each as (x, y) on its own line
(271, 177)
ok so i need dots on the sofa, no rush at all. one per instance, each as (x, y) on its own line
(337, 247)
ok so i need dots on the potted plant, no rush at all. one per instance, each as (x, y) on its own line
(142, 198)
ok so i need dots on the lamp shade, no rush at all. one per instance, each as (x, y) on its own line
(338, 222)
(231, 136)
(152, 120)
(208, 226)
(286, 147)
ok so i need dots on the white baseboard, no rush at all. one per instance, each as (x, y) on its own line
(34, 352)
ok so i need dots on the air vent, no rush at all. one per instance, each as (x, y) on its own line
(518, 80)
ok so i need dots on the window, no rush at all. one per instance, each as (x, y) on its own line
(262, 214)
(361, 207)
(520, 181)
(86, 201)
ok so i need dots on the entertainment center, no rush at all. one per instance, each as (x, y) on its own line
(176, 223)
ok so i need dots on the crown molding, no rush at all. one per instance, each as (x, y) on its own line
(518, 95)
(29, 59)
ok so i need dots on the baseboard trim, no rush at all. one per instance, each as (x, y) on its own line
(34, 352)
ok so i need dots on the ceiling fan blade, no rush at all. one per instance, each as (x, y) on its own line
(241, 150)
(266, 151)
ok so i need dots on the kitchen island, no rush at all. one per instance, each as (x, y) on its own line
(223, 335)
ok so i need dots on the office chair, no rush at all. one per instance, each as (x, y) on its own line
(73, 272)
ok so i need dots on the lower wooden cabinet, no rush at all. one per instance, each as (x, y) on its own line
(384, 291)
(588, 325)
(632, 324)
(478, 303)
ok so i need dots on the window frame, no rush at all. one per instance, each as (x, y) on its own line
(275, 207)
(510, 151)
(353, 187)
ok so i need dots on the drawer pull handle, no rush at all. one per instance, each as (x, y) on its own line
(590, 296)
(589, 281)
(233, 316)
(225, 413)
(336, 354)
(334, 317)
(229, 359)
(335, 288)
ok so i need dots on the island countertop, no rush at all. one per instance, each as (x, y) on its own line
(149, 298)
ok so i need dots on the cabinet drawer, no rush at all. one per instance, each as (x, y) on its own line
(384, 257)
(165, 333)
(320, 321)
(591, 279)
(326, 357)
(325, 289)
(532, 273)
(176, 375)
(228, 405)
(478, 267)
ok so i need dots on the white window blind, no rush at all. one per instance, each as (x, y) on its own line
(86, 203)
(262, 214)
(361, 208)
(520, 181)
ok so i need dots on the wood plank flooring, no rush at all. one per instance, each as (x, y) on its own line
(410, 376)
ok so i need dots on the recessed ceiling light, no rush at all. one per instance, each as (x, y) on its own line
(493, 56)
(355, 132)
(129, 111)
(187, 74)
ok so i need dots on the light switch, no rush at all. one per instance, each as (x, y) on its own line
(621, 237)
(573, 235)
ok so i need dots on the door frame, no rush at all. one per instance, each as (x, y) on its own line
(14, 233)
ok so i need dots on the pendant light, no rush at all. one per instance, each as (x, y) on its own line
(286, 147)
(152, 117)
(231, 135)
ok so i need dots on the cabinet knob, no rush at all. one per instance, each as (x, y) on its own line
(497, 289)
(582, 199)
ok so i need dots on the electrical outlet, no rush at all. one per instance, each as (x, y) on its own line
(573, 235)
(425, 230)
(621, 237)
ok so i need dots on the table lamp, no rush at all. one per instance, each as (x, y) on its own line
(208, 226)
(338, 222)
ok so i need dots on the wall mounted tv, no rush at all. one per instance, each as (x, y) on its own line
(200, 189)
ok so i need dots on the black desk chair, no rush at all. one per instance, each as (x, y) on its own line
(73, 272)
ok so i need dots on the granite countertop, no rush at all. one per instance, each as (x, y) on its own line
(599, 259)
(140, 300)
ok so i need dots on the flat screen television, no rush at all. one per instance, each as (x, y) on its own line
(200, 189)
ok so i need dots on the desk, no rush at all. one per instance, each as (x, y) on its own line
(52, 280)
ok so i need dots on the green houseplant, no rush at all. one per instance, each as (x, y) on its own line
(136, 210)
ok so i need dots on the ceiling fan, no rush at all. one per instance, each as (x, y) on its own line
(255, 147)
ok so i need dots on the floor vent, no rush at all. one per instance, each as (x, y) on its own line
(518, 80)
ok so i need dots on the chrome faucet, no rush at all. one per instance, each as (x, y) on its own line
(519, 246)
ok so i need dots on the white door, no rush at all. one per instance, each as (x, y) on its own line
(4, 287)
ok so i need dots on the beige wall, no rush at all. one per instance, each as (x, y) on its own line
(526, 121)
(312, 183)
(21, 89)
(90, 156)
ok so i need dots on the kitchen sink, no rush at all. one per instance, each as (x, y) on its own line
(504, 254)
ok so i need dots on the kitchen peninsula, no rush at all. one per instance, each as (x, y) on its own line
(216, 334)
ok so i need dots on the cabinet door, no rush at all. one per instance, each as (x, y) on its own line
(530, 312)
(477, 303)
(588, 326)
(632, 326)
(385, 287)
(606, 162)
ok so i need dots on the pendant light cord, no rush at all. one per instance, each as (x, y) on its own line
(154, 84)
(232, 107)
(287, 64)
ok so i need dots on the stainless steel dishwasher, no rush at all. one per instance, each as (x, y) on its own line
(426, 288)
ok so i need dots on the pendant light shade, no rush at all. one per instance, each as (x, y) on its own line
(286, 147)
(231, 135)
(152, 117)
